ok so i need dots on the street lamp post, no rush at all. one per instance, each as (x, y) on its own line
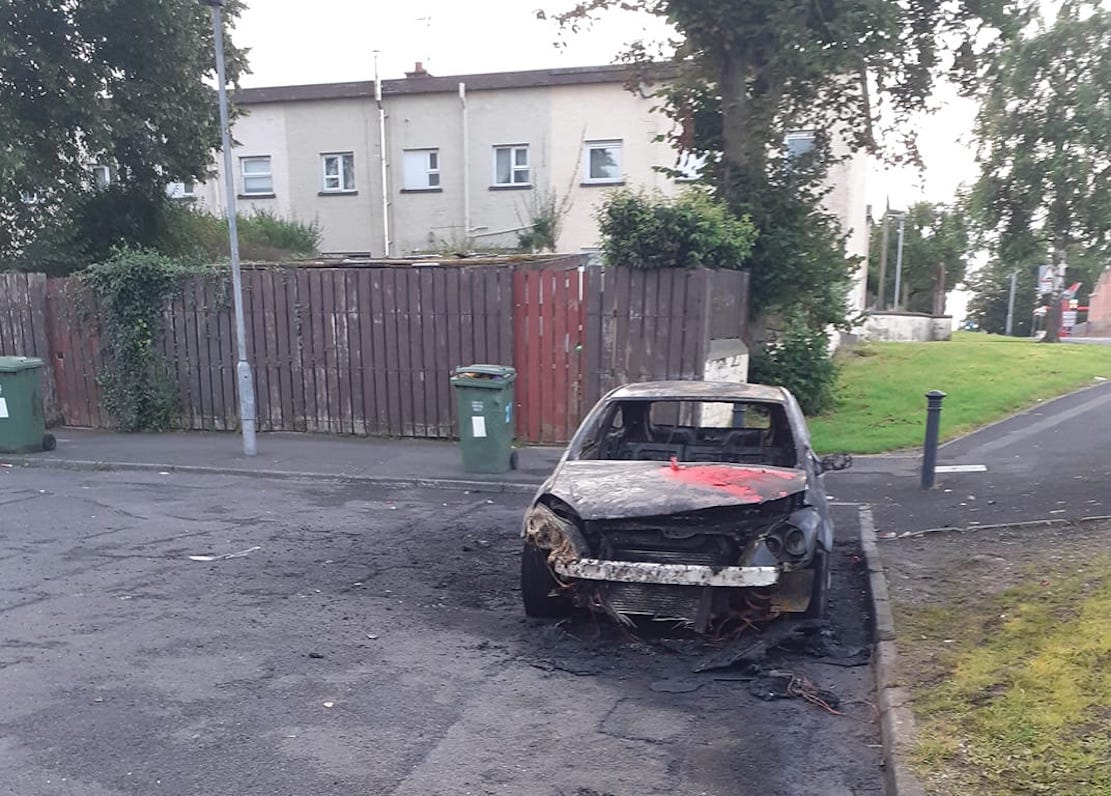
(899, 263)
(244, 378)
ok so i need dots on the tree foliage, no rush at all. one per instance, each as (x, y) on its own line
(690, 231)
(121, 83)
(132, 287)
(1045, 144)
(935, 256)
(750, 71)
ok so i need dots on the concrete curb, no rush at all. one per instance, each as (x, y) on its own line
(454, 484)
(1054, 522)
(892, 699)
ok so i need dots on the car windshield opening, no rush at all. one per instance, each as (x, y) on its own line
(740, 432)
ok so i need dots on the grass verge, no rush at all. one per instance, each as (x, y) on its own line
(881, 387)
(1012, 692)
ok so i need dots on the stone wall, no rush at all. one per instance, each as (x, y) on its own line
(905, 327)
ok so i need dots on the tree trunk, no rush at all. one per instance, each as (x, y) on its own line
(1053, 315)
(939, 291)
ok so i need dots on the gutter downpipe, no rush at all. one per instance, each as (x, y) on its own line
(466, 164)
(383, 160)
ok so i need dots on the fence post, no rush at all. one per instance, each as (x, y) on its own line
(933, 425)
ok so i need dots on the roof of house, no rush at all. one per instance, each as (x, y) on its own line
(427, 84)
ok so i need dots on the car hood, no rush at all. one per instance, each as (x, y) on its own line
(600, 490)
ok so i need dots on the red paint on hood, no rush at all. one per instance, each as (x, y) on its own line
(749, 484)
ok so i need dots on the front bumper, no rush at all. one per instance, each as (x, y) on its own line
(667, 574)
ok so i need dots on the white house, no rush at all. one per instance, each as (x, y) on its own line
(465, 160)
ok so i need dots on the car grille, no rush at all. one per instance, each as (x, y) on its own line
(656, 556)
(650, 599)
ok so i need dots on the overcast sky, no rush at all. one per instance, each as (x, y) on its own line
(321, 41)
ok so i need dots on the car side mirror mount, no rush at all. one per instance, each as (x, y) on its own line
(836, 461)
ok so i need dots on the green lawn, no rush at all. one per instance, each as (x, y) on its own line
(881, 388)
(1012, 691)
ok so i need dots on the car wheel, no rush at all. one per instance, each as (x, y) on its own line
(819, 589)
(537, 584)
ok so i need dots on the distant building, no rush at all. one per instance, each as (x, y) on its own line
(467, 159)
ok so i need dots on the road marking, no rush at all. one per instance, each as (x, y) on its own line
(961, 468)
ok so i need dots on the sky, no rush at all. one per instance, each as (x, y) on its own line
(322, 41)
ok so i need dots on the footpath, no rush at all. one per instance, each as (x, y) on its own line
(386, 462)
(1051, 463)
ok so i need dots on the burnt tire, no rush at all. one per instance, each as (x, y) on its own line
(538, 583)
(819, 589)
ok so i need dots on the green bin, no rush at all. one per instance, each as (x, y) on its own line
(22, 423)
(485, 396)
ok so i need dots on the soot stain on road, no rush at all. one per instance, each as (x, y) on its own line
(375, 643)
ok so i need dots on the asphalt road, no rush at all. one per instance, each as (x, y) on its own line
(1052, 462)
(363, 641)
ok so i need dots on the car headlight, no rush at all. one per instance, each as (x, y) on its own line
(794, 542)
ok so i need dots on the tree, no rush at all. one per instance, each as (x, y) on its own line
(991, 287)
(1045, 146)
(750, 71)
(935, 257)
(119, 83)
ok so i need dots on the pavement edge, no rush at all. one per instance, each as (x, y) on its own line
(456, 484)
(893, 699)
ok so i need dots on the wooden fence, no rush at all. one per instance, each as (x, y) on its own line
(25, 328)
(370, 350)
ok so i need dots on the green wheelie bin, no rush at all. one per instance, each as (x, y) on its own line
(485, 400)
(22, 422)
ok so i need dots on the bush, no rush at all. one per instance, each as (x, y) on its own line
(263, 236)
(799, 360)
(692, 230)
(95, 224)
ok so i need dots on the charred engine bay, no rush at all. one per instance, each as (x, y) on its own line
(714, 537)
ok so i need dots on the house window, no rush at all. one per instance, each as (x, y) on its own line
(602, 162)
(102, 176)
(257, 180)
(181, 190)
(421, 169)
(339, 172)
(799, 143)
(511, 165)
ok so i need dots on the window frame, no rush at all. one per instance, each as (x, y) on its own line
(188, 190)
(343, 157)
(799, 135)
(98, 169)
(608, 143)
(514, 167)
(430, 170)
(243, 175)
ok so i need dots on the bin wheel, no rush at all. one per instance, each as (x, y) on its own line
(49, 443)
(513, 460)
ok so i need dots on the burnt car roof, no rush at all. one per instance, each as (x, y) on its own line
(700, 390)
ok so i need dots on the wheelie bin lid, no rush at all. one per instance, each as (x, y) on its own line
(489, 376)
(17, 364)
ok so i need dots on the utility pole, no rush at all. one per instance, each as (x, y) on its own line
(1011, 305)
(883, 261)
(899, 259)
(244, 378)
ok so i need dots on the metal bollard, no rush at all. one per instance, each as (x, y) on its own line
(933, 425)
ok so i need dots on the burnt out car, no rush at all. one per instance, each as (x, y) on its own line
(696, 502)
